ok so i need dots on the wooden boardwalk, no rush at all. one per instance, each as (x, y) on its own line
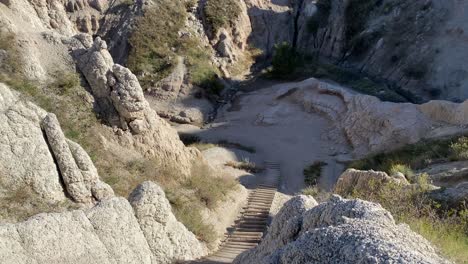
(252, 222)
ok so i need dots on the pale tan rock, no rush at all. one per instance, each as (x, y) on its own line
(117, 227)
(359, 180)
(340, 231)
(167, 238)
(25, 159)
(121, 98)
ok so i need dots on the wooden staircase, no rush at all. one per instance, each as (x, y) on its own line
(253, 220)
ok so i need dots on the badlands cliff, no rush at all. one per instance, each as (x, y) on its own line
(93, 94)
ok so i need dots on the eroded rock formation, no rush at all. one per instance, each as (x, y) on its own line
(167, 238)
(36, 154)
(111, 232)
(339, 231)
(120, 99)
(371, 125)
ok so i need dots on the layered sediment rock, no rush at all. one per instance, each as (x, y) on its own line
(340, 231)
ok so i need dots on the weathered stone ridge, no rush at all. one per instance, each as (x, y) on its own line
(339, 231)
(113, 231)
(371, 125)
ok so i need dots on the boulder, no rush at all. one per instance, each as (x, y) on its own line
(117, 227)
(353, 179)
(107, 233)
(341, 231)
(453, 197)
(61, 238)
(168, 239)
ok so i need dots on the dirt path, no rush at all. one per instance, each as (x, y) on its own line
(279, 130)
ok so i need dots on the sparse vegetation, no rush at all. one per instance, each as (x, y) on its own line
(402, 168)
(245, 165)
(447, 229)
(156, 47)
(188, 196)
(416, 156)
(22, 202)
(221, 13)
(196, 142)
(313, 172)
(459, 149)
(316, 192)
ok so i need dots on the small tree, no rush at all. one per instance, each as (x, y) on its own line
(285, 60)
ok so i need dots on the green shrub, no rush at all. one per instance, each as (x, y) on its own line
(221, 13)
(64, 82)
(285, 60)
(459, 149)
(313, 172)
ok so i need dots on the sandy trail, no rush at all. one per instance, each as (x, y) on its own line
(279, 130)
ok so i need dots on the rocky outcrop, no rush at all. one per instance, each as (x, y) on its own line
(340, 231)
(36, 156)
(447, 174)
(78, 173)
(453, 197)
(371, 125)
(110, 232)
(120, 99)
(168, 239)
(25, 158)
(353, 179)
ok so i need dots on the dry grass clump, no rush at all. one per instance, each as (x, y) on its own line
(188, 196)
(445, 228)
(21, 202)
